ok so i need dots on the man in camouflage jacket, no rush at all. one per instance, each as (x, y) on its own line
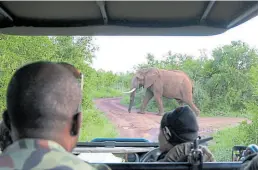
(177, 130)
(43, 119)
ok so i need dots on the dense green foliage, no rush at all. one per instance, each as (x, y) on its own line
(105, 84)
(15, 51)
(222, 83)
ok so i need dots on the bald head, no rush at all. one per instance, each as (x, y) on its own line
(42, 96)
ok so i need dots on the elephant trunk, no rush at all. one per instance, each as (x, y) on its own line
(134, 86)
(131, 101)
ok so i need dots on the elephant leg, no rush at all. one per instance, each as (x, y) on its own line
(180, 102)
(188, 99)
(159, 102)
(147, 97)
(195, 109)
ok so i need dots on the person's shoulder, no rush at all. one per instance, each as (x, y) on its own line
(28, 154)
(181, 151)
(186, 146)
(67, 160)
(207, 154)
(182, 147)
(178, 153)
(49, 161)
(250, 162)
(41, 159)
(101, 167)
(64, 159)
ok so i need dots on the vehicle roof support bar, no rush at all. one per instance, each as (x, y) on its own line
(5, 14)
(243, 16)
(207, 11)
(103, 11)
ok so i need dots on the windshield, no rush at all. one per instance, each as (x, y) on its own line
(121, 102)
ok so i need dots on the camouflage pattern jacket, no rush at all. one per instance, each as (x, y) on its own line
(42, 154)
(180, 152)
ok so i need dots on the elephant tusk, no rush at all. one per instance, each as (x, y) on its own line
(130, 91)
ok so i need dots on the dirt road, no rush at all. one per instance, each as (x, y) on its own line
(147, 125)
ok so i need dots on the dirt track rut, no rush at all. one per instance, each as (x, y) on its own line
(147, 125)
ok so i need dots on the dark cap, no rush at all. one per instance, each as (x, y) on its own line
(182, 124)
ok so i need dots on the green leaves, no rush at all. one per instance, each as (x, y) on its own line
(15, 51)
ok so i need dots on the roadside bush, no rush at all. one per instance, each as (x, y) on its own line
(15, 51)
(95, 125)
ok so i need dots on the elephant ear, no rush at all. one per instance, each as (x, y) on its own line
(150, 77)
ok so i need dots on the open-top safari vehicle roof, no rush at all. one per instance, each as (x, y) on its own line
(123, 17)
(182, 18)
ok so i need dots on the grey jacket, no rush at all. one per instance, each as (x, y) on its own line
(250, 162)
(180, 152)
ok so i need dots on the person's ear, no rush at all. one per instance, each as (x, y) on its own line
(6, 120)
(76, 124)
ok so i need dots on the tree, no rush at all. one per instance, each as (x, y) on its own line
(17, 51)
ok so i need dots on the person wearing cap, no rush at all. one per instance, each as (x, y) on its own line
(178, 129)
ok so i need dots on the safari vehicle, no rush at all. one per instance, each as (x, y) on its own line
(163, 18)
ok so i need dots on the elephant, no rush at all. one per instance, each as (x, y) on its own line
(172, 84)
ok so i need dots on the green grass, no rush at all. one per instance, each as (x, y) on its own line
(96, 124)
(106, 93)
(224, 140)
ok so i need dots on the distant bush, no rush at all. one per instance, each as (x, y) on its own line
(15, 51)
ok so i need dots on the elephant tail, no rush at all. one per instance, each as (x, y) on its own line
(192, 89)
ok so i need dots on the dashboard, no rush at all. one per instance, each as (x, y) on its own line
(109, 157)
(115, 150)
